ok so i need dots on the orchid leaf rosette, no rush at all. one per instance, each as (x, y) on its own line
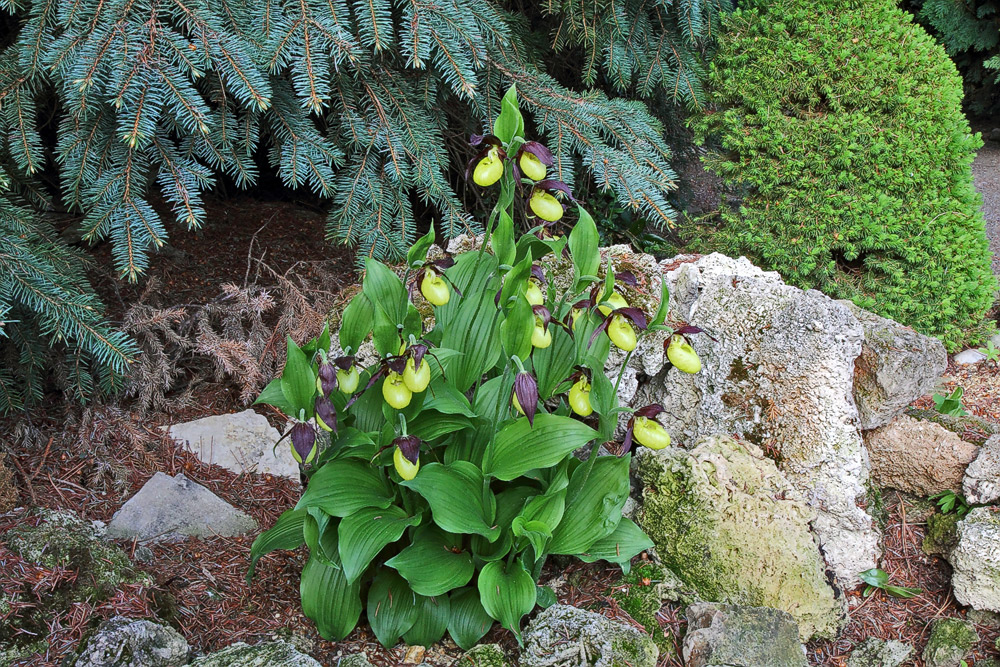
(442, 476)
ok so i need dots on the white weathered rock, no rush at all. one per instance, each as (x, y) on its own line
(721, 634)
(981, 484)
(781, 375)
(897, 365)
(241, 442)
(919, 457)
(968, 357)
(124, 642)
(267, 654)
(975, 560)
(175, 507)
(564, 636)
(875, 652)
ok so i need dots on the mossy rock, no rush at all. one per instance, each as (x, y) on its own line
(564, 636)
(942, 534)
(950, 640)
(726, 521)
(484, 655)
(640, 594)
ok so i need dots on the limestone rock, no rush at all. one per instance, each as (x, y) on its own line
(950, 640)
(484, 655)
(727, 522)
(733, 636)
(781, 374)
(981, 484)
(356, 660)
(174, 507)
(968, 357)
(975, 560)
(879, 653)
(918, 457)
(970, 427)
(941, 535)
(268, 654)
(124, 642)
(564, 636)
(241, 442)
(897, 365)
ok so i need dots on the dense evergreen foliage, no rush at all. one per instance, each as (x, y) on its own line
(841, 127)
(354, 100)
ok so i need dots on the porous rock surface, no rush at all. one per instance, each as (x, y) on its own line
(981, 484)
(125, 642)
(728, 522)
(268, 654)
(781, 374)
(975, 560)
(484, 655)
(896, 364)
(175, 507)
(241, 442)
(879, 653)
(720, 635)
(564, 636)
(950, 640)
(919, 457)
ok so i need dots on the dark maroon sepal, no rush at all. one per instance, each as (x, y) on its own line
(637, 317)
(526, 390)
(649, 411)
(542, 313)
(345, 362)
(540, 151)
(552, 184)
(600, 329)
(327, 378)
(326, 411)
(627, 277)
(538, 274)
(417, 352)
(627, 444)
(303, 439)
(691, 329)
(489, 139)
(409, 445)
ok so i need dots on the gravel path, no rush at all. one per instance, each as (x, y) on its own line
(986, 173)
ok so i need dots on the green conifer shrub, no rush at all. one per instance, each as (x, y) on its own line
(841, 129)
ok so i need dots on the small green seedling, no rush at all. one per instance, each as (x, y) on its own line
(878, 578)
(992, 352)
(951, 405)
(949, 500)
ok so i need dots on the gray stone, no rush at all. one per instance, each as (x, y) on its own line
(484, 655)
(879, 653)
(950, 640)
(357, 660)
(919, 457)
(975, 560)
(175, 507)
(727, 522)
(241, 442)
(968, 357)
(897, 365)
(564, 636)
(125, 642)
(720, 635)
(781, 374)
(981, 484)
(268, 654)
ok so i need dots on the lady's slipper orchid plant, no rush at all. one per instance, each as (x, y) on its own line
(438, 470)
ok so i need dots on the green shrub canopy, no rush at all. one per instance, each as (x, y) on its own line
(842, 128)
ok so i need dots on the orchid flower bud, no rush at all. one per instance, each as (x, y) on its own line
(304, 444)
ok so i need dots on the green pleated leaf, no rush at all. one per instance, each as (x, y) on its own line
(460, 503)
(356, 323)
(273, 394)
(583, 247)
(392, 607)
(593, 506)
(434, 564)
(430, 424)
(321, 537)
(432, 621)
(298, 382)
(343, 486)
(385, 290)
(475, 332)
(286, 533)
(625, 543)
(417, 253)
(366, 532)
(517, 327)
(520, 447)
(502, 239)
(507, 593)
(444, 398)
(554, 364)
(332, 603)
(468, 622)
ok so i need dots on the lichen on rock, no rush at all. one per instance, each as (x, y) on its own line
(879, 653)
(484, 655)
(941, 535)
(975, 560)
(267, 654)
(564, 636)
(728, 523)
(950, 640)
(720, 635)
(126, 642)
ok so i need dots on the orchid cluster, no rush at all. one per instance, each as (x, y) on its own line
(442, 476)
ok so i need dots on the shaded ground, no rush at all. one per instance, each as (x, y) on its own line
(986, 173)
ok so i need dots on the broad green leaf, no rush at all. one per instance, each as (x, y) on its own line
(432, 621)
(516, 329)
(514, 281)
(547, 508)
(585, 326)
(384, 289)
(460, 500)
(366, 532)
(503, 239)
(519, 447)
(343, 486)
(507, 593)
(356, 323)
(392, 607)
(417, 253)
(351, 443)
(429, 424)
(298, 382)
(474, 331)
(554, 364)
(385, 333)
(468, 622)
(875, 577)
(664, 307)
(367, 410)
(286, 533)
(583, 247)
(509, 123)
(594, 504)
(332, 603)
(625, 543)
(434, 564)
(274, 395)
(321, 537)
(444, 398)
(473, 274)
(536, 532)
(545, 597)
